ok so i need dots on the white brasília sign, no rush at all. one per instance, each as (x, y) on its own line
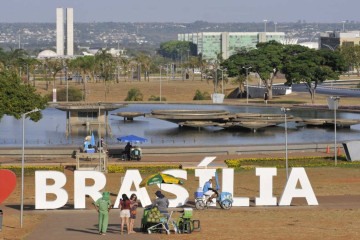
(133, 177)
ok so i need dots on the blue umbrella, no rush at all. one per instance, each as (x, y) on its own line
(132, 139)
(92, 141)
(217, 181)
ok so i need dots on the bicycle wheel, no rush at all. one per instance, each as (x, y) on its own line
(199, 204)
(226, 204)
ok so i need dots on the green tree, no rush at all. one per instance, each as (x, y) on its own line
(174, 49)
(266, 60)
(145, 62)
(74, 95)
(351, 54)
(86, 67)
(17, 98)
(104, 64)
(312, 67)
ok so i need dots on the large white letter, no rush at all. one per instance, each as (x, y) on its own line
(266, 187)
(41, 189)
(204, 175)
(228, 186)
(290, 191)
(81, 190)
(182, 195)
(133, 177)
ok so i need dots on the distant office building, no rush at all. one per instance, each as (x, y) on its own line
(350, 38)
(63, 39)
(210, 44)
(335, 39)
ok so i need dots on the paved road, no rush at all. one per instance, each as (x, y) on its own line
(328, 90)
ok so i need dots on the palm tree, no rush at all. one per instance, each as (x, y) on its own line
(86, 67)
(145, 62)
(55, 65)
(105, 64)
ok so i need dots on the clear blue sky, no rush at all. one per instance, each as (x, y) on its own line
(183, 10)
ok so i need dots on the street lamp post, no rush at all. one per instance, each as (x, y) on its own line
(99, 133)
(335, 100)
(265, 21)
(285, 110)
(160, 81)
(222, 79)
(67, 85)
(247, 85)
(23, 163)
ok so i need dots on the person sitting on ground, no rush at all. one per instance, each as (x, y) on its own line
(127, 150)
(209, 191)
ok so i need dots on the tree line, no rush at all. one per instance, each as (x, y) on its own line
(297, 63)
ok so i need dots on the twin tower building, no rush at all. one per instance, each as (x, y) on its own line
(64, 31)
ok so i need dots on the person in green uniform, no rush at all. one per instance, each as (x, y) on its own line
(103, 206)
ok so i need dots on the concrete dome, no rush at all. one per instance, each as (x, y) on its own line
(47, 54)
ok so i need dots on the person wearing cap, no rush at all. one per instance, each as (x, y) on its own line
(161, 202)
(103, 206)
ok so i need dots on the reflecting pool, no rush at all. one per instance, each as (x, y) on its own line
(51, 129)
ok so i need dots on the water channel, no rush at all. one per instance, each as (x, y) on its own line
(51, 129)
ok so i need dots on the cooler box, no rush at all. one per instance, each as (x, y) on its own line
(199, 193)
(226, 195)
(187, 213)
(90, 150)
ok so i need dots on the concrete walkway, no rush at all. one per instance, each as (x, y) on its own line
(82, 224)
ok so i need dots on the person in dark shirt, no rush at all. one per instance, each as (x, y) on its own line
(127, 150)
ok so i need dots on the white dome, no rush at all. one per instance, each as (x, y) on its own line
(47, 54)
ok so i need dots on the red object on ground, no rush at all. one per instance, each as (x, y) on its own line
(328, 149)
(338, 151)
(7, 183)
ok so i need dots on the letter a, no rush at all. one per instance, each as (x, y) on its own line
(290, 191)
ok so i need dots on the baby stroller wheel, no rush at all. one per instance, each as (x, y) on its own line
(226, 204)
(199, 204)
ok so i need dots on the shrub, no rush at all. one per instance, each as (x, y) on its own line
(134, 94)
(142, 168)
(201, 95)
(74, 95)
(156, 98)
